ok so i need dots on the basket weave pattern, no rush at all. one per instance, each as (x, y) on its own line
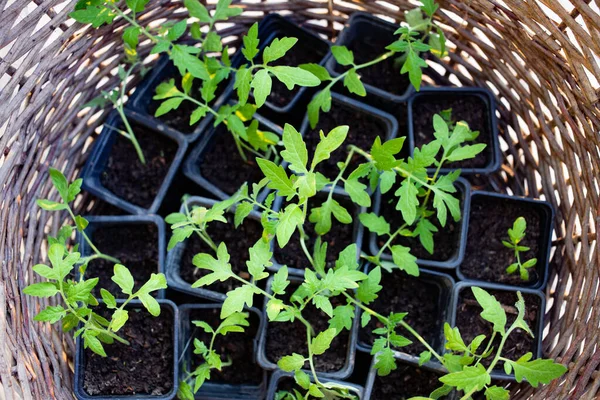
(538, 56)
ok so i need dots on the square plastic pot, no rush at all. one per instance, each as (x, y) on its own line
(267, 364)
(546, 213)
(279, 375)
(174, 257)
(211, 390)
(142, 97)
(358, 25)
(538, 329)
(464, 188)
(488, 100)
(80, 360)
(445, 284)
(100, 154)
(96, 222)
(191, 165)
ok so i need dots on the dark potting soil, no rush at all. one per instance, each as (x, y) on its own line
(364, 128)
(338, 238)
(285, 338)
(127, 177)
(486, 258)
(145, 367)
(446, 240)
(135, 245)
(238, 242)
(416, 296)
(469, 108)
(236, 346)
(404, 383)
(223, 166)
(470, 323)
(384, 75)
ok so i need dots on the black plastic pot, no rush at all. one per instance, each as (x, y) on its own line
(445, 285)
(164, 70)
(191, 166)
(492, 151)
(370, 385)
(80, 361)
(211, 390)
(537, 329)
(96, 222)
(451, 263)
(387, 120)
(546, 215)
(267, 364)
(358, 232)
(98, 160)
(279, 375)
(359, 25)
(174, 257)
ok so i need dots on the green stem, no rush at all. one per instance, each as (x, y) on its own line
(311, 355)
(133, 22)
(390, 240)
(358, 67)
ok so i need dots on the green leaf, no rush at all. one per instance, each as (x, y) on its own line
(95, 15)
(50, 205)
(123, 278)
(302, 379)
(347, 257)
(223, 11)
(168, 105)
(81, 223)
(295, 149)
(329, 144)
(466, 152)
(358, 192)
(321, 217)
(197, 10)
(537, 371)
(236, 299)
(150, 304)
(260, 258)
(323, 304)
(242, 210)
(368, 288)
(342, 318)
(184, 391)
(212, 42)
(291, 76)
(60, 183)
(517, 232)
(280, 281)
(385, 362)
(243, 79)
(250, 49)
(412, 65)
(289, 220)
(51, 314)
(429, 7)
(185, 62)
(454, 340)
(220, 267)
(353, 83)
(470, 378)
(520, 320)
(74, 189)
(317, 70)
(43, 289)
(278, 179)
(45, 271)
(291, 363)
(177, 30)
(321, 101)
(404, 260)
(424, 230)
(496, 393)
(414, 19)
(408, 201)
(374, 223)
(119, 319)
(424, 357)
(322, 342)
(261, 83)
(342, 55)
(492, 309)
(136, 5)
(278, 48)
(108, 298)
(156, 282)
(92, 343)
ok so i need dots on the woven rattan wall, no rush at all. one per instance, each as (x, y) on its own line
(539, 56)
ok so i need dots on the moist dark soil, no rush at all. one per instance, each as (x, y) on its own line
(385, 75)
(135, 245)
(486, 258)
(127, 177)
(446, 240)
(364, 128)
(285, 338)
(404, 383)
(338, 238)
(223, 166)
(470, 323)
(236, 346)
(469, 108)
(420, 298)
(145, 367)
(238, 242)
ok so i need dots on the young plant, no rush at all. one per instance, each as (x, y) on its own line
(516, 234)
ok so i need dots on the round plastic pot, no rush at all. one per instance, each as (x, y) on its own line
(100, 154)
(142, 96)
(537, 329)
(487, 98)
(96, 222)
(211, 390)
(279, 375)
(464, 189)
(174, 257)
(267, 364)
(544, 240)
(191, 165)
(445, 283)
(358, 24)
(80, 361)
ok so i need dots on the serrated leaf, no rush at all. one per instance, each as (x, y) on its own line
(123, 278)
(407, 201)
(260, 258)
(242, 210)
(50, 205)
(92, 343)
(342, 55)
(278, 179)
(51, 314)
(261, 83)
(537, 371)
(280, 281)
(119, 318)
(342, 318)
(424, 357)
(496, 393)
(470, 378)
(404, 260)
(291, 363)
(317, 70)
(289, 220)
(358, 192)
(492, 309)
(323, 304)
(108, 298)
(385, 362)
(328, 144)
(321, 343)
(291, 76)
(236, 299)
(368, 288)
(197, 10)
(278, 48)
(295, 149)
(375, 223)
(42, 289)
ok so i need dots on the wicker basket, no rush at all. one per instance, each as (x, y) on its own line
(538, 56)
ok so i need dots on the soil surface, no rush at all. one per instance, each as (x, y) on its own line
(446, 240)
(135, 245)
(145, 367)
(469, 108)
(470, 323)
(338, 238)
(223, 166)
(404, 383)
(238, 242)
(127, 177)
(285, 338)
(418, 297)
(236, 346)
(364, 128)
(486, 258)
